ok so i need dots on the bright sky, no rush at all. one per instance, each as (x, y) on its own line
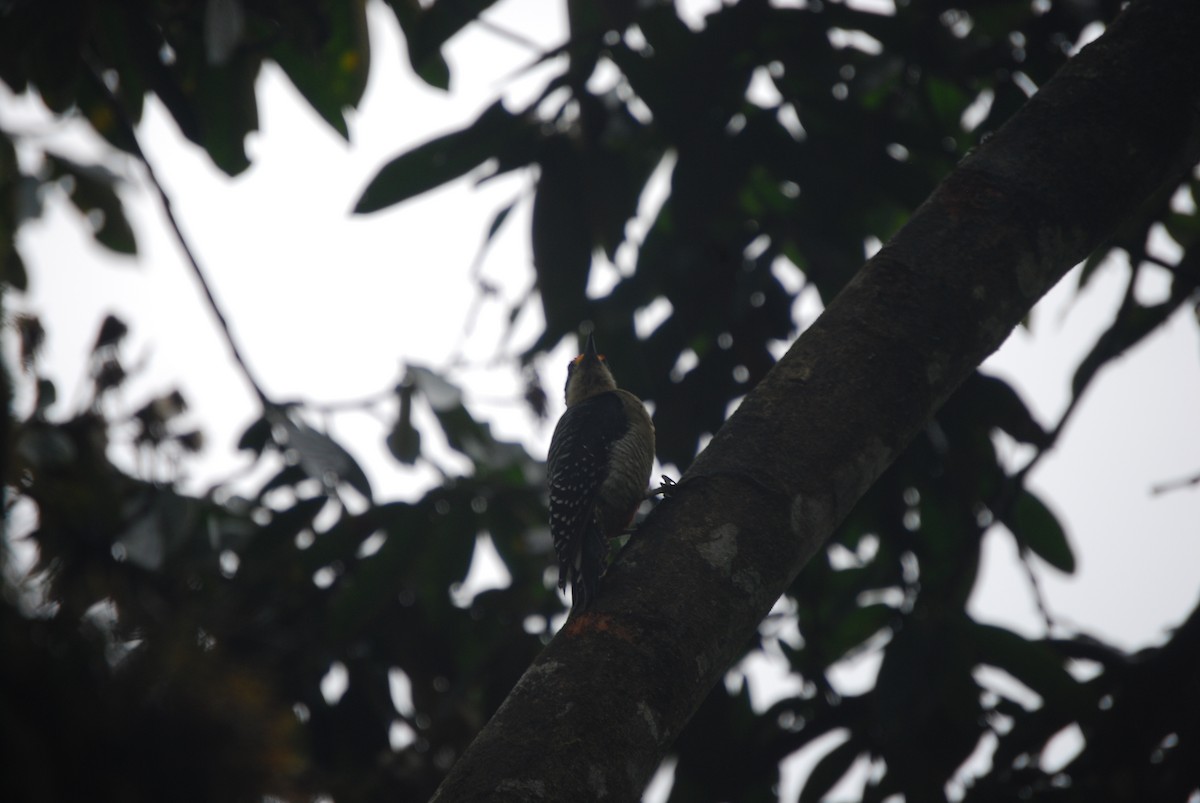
(305, 285)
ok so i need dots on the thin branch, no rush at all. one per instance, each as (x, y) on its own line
(1018, 482)
(1175, 485)
(509, 34)
(126, 122)
(1035, 588)
(363, 403)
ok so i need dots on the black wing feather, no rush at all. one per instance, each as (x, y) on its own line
(577, 465)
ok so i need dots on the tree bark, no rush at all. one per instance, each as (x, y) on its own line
(593, 716)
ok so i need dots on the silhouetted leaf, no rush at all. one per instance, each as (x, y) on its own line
(112, 331)
(562, 241)
(217, 108)
(256, 437)
(404, 441)
(280, 533)
(498, 220)
(288, 477)
(32, 336)
(1183, 228)
(463, 432)
(93, 192)
(1033, 663)
(829, 770)
(427, 28)
(329, 65)
(440, 160)
(1002, 406)
(855, 628)
(928, 701)
(1133, 324)
(1034, 526)
(322, 457)
(47, 395)
(12, 268)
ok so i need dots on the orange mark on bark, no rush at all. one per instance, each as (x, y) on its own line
(592, 622)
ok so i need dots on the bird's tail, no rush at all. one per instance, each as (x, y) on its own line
(584, 567)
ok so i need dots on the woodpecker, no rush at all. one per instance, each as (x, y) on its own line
(599, 466)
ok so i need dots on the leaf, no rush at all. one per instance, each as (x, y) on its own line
(433, 70)
(287, 477)
(1133, 324)
(93, 193)
(32, 337)
(42, 47)
(1184, 229)
(926, 698)
(1033, 663)
(342, 540)
(323, 458)
(215, 105)
(562, 240)
(947, 100)
(20, 194)
(112, 331)
(46, 447)
(12, 269)
(279, 534)
(404, 441)
(498, 221)
(256, 437)
(440, 160)
(1000, 404)
(463, 433)
(1035, 526)
(328, 58)
(829, 770)
(1094, 260)
(854, 628)
(421, 551)
(427, 29)
(46, 396)
(160, 529)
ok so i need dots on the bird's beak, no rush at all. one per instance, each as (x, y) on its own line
(589, 350)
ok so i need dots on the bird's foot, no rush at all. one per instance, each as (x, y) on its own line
(665, 490)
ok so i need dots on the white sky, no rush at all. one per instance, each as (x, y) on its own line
(305, 285)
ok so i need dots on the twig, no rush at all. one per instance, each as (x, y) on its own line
(507, 33)
(1009, 493)
(1035, 586)
(1023, 551)
(1175, 485)
(367, 402)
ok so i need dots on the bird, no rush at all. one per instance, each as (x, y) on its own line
(598, 469)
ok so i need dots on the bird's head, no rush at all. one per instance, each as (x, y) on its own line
(588, 374)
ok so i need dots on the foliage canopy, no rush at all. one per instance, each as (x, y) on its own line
(172, 646)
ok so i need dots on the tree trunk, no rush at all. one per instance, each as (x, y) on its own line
(593, 716)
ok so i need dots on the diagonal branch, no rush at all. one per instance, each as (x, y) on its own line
(125, 121)
(595, 713)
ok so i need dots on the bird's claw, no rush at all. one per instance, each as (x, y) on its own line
(665, 490)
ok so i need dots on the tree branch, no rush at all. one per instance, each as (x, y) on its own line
(126, 123)
(595, 713)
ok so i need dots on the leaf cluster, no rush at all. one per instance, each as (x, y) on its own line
(211, 624)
